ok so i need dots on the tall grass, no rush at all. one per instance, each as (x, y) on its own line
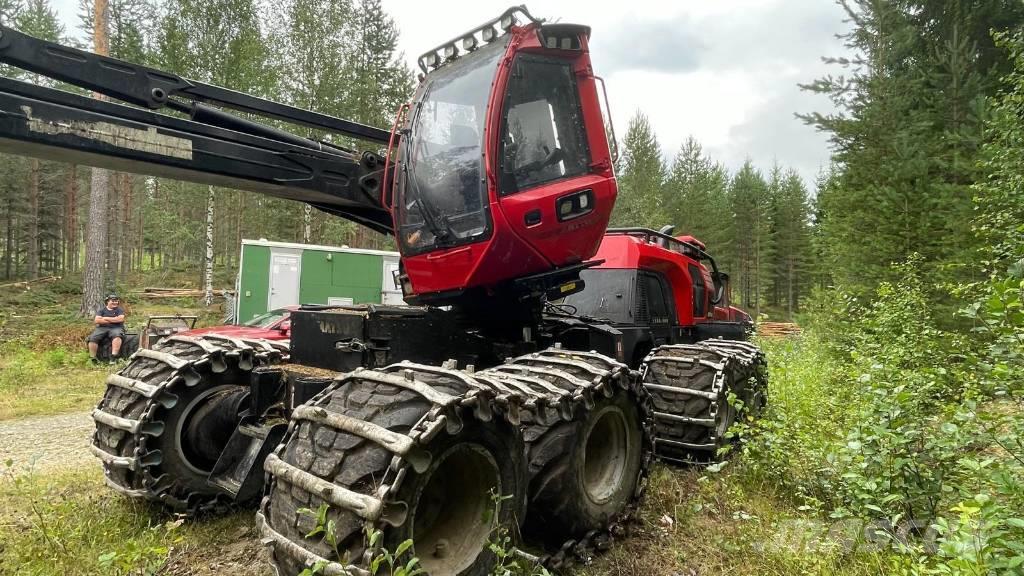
(70, 523)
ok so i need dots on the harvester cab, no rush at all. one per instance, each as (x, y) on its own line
(504, 170)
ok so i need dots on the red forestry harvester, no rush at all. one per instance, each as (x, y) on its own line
(545, 359)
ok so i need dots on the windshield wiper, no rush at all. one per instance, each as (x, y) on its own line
(442, 235)
(421, 206)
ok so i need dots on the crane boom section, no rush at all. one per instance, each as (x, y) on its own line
(212, 146)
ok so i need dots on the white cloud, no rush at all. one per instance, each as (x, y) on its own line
(723, 71)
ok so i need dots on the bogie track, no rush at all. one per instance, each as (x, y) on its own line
(143, 435)
(690, 385)
(371, 447)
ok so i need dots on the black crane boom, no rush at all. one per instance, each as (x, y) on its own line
(212, 146)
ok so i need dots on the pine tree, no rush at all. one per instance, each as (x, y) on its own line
(641, 177)
(790, 240)
(695, 199)
(907, 135)
(1000, 197)
(218, 42)
(749, 196)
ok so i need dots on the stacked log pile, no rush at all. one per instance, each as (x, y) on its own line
(778, 329)
(177, 292)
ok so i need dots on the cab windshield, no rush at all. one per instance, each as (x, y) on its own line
(442, 191)
(268, 319)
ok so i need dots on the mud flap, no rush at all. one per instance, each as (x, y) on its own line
(239, 470)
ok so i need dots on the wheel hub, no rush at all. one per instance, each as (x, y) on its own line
(604, 460)
(450, 522)
(207, 423)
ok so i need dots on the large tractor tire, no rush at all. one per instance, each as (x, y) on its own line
(690, 385)
(587, 472)
(166, 416)
(401, 451)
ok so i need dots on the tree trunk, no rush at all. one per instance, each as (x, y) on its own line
(789, 295)
(208, 275)
(9, 248)
(307, 223)
(70, 218)
(33, 220)
(140, 237)
(95, 242)
(238, 226)
(96, 233)
(128, 185)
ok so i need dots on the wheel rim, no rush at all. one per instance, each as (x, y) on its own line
(724, 419)
(450, 521)
(191, 430)
(605, 455)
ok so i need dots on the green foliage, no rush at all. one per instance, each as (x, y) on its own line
(913, 102)
(696, 200)
(66, 522)
(326, 529)
(750, 201)
(789, 215)
(641, 175)
(902, 426)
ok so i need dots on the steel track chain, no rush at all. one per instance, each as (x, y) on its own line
(128, 415)
(727, 362)
(549, 385)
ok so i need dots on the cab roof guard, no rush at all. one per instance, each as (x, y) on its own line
(648, 235)
(654, 237)
(485, 33)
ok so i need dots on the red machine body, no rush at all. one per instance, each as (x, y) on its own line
(692, 282)
(503, 170)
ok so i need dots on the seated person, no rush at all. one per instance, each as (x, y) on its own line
(109, 322)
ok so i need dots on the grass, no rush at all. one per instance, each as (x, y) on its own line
(71, 523)
(44, 367)
(695, 522)
(43, 383)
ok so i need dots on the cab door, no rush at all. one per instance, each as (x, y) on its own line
(555, 184)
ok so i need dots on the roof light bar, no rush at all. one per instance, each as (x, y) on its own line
(488, 32)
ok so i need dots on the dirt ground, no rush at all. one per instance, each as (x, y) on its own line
(61, 443)
(36, 444)
(243, 556)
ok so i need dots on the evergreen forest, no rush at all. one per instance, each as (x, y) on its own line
(893, 437)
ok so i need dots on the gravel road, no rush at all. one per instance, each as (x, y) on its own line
(46, 442)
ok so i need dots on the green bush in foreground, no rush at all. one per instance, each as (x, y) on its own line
(902, 428)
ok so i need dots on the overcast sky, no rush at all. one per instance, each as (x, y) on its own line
(724, 71)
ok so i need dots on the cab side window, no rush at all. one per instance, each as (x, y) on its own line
(543, 134)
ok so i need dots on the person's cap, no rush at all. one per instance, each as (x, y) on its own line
(111, 296)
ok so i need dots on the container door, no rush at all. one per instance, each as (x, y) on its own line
(284, 277)
(390, 289)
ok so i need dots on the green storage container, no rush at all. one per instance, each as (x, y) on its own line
(277, 274)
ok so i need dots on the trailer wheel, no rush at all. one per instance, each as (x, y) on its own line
(441, 494)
